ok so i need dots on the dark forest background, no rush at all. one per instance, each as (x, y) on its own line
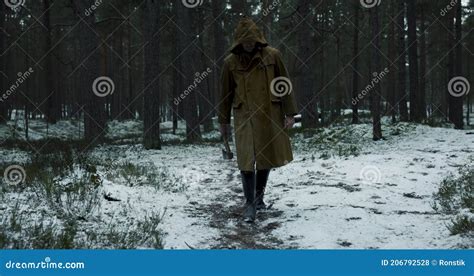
(153, 51)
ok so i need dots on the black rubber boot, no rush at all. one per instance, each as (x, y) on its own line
(262, 177)
(248, 181)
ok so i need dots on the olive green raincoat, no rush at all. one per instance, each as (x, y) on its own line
(259, 114)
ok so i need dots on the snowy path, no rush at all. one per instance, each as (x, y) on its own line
(320, 203)
(213, 204)
(380, 197)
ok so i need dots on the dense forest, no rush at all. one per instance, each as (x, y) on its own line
(112, 129)
(155, 61)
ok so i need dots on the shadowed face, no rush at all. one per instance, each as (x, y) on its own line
(248, 46)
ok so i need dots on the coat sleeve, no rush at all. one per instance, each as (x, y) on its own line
(226, 95)
(289, 102)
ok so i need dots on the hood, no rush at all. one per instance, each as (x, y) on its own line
(247, 30)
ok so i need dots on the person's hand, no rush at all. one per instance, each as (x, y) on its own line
(289, 122)
(225, 130)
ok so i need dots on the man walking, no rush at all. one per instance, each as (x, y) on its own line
(256, 87)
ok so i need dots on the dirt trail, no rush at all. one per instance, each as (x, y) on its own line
(224, 213)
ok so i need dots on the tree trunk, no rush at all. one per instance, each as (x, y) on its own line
(402, 72)
(94, 112)
(339, 93)
(423, 79)
(203, 90)
(151, 108)
(188, 54)
(468, 97)
(219, 45)
(305, 75)
(177, 78)
(377, 91)
(392, 78)
(267, 19)
(323, 95)
(355, 65)
(413, 61)
(3, 79)
(53, 109)
(129, 112)
(449, 39)
(456, 101)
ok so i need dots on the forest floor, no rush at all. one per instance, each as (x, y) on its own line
(342, 190)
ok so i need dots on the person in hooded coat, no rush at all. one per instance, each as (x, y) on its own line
(257, 90)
